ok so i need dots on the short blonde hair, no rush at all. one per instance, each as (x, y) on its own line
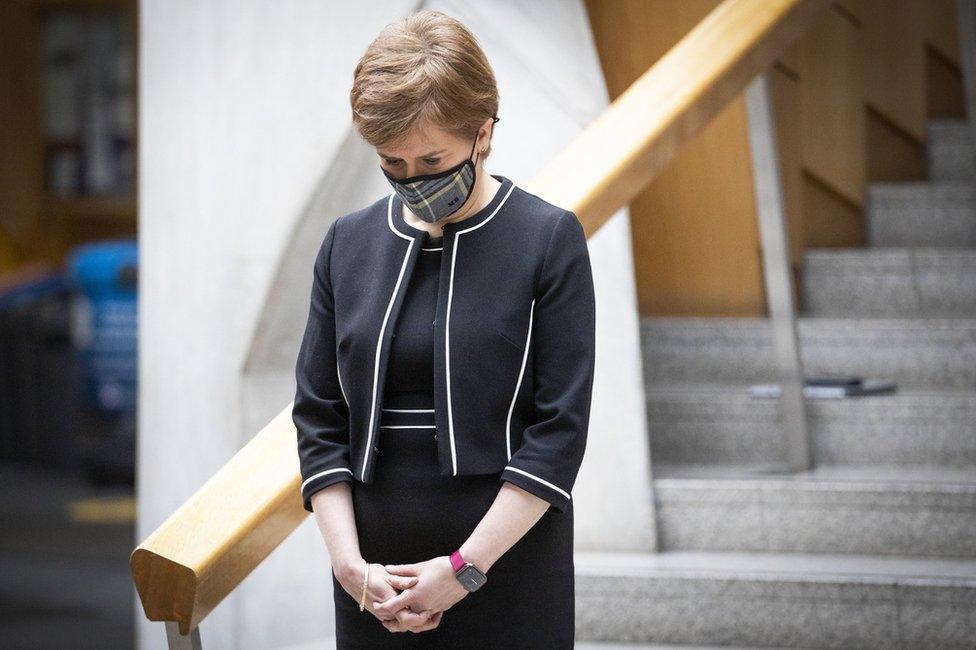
(427, 69)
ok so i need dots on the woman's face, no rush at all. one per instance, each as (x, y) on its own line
(428, 151)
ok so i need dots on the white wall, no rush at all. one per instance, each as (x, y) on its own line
(246, 154)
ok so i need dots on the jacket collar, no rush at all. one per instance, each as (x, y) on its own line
(399, 226)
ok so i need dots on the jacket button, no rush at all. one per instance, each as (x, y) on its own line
(376, 449)
(435, 436)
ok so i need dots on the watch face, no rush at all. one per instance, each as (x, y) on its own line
(471, 577)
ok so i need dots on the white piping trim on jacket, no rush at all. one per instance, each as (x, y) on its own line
(340, 469)
(407, 426)
(389, 222)
(447, 323)
(389, 219)
(376, 364)
(328, 471)
(339, 377)
(536, 478)
(410, 410)
(518, 384)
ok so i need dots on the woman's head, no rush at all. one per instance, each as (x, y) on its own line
(424, 86)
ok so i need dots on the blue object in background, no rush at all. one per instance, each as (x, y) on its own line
(31, 290)
(104, 321)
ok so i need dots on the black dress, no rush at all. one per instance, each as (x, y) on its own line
(411, 513)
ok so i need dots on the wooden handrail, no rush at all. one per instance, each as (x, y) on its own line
(208, 546)
(618, 154)
(228, 527)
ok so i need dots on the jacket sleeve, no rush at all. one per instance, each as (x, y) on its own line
(320, 411)
(563, 340)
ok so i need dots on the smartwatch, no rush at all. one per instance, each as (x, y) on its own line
(470, 576)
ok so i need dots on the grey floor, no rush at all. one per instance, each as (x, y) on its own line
(329, 644)
(64, 583)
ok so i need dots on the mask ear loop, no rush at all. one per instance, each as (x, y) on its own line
(494, 120)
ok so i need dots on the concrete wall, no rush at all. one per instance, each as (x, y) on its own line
(246, 155)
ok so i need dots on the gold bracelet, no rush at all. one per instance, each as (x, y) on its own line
(362, 599)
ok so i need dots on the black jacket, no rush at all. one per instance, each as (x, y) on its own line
(514, 344)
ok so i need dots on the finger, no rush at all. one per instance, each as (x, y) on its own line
(432, 622)
(402, 569)
(402, 582)
(400, 626)
(384, 596)
(392, 626)
(435, 620)
(391, 605)
(408, 618)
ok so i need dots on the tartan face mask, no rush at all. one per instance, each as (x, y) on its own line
(435, 197)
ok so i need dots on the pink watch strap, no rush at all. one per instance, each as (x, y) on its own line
(456, 560)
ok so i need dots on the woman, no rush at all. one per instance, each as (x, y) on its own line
(445, 374)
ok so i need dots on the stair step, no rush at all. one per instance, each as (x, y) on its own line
(722, 423)
(929, 511)
(776, 600)
(915, 352)
(329, 643)
(950, 150)
(852, 282)
(921, 214)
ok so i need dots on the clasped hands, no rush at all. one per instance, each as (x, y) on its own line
(412, 597)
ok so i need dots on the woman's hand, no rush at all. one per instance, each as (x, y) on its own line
(435, 591)
(428, 622)
(381, 586)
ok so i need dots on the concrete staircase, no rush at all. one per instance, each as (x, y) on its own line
(876, 546)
